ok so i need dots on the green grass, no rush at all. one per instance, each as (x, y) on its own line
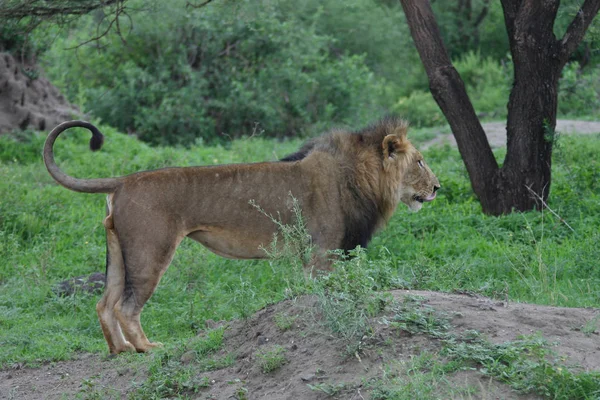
(270, 358)
(528, 364)
(48, 234)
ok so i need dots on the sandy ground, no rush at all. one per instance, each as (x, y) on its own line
(496, 132)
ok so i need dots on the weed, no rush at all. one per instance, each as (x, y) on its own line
(420, 377)
(413, 317)
(270, 359)
(348, 298)
(244, 298)
(284, 321)
(205, 345)
(241, 393)
(526, 364)
(291, 247)
(330, 389)
(590, 327)
(168, 376)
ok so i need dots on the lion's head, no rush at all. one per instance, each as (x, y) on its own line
(402, 161)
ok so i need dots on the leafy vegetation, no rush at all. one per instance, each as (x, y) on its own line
(179, 74)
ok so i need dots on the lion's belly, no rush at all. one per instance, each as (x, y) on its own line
(231, 244)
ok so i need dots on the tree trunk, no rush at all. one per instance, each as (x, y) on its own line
(449, 92)
(523, 182)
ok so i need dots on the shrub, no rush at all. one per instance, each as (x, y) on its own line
(488, 85)
(229, 69)
(579, 91)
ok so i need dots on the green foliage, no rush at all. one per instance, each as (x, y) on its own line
(270, 358)
(488, 85)
(348, 297)
(420, 108)
(173, 373)
(229, 69)
(463, 31)
(15, 38)
(528, 365)
(579, 91)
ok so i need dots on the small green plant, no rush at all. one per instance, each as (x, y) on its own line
(414, 317)
(291, 248)
(284, 321)
(528, 365)
(244, 298)
(169, 376)
(590, 327)
(270, 359)
(349, 297)
(292, 242)
(330, 389)
(207, 344)
(241, 393)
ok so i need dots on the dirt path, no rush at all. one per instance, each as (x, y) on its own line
(496, 132)
(316, 362)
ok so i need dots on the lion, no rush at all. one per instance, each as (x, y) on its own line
(347, 185)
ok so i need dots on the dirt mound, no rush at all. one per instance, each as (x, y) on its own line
(29, 101)
(318, 365)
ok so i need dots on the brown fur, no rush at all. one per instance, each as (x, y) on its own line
(347, 185)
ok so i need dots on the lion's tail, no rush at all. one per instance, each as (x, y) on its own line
(104, 185)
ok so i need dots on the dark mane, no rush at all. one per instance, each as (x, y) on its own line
(300, 154)
(362, 212)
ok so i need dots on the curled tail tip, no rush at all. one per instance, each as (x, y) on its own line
(96, 142)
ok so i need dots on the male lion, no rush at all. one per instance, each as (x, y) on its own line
(347, 185)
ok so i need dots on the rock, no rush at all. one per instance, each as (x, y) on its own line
(308, 378)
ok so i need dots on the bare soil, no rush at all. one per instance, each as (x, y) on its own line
(317, 364)
(496, 132)
(29, 101)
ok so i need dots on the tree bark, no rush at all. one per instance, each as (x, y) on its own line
(523, 182)
(448, 90)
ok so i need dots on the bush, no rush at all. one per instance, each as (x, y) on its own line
(228, 69)
(488, 85)
(420, 109)
(579, 91)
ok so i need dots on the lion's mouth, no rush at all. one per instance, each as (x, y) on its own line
(423, 199)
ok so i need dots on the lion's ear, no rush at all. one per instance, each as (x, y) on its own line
(394, 144)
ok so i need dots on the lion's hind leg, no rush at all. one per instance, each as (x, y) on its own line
(115, 283)
(146, 259)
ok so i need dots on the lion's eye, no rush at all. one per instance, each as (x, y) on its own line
(420, 164)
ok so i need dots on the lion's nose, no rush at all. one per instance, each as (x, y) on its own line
(435, 188)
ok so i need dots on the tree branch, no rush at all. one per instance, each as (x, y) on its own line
(482, 14)
(576, 30)
(192, 5)
(49, 9)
